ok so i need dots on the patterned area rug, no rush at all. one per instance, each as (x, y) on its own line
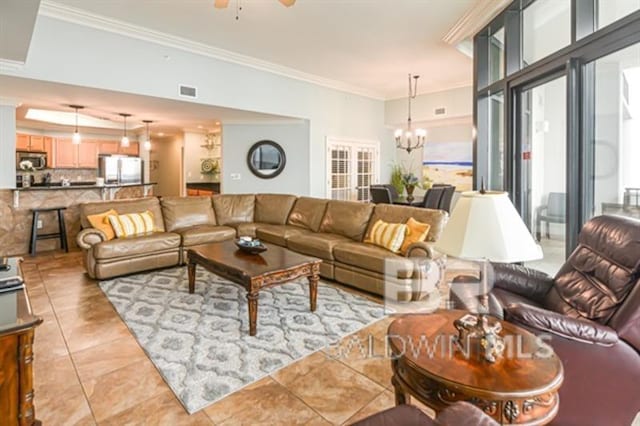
(200, 342)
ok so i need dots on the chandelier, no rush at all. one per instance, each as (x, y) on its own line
(410, 139)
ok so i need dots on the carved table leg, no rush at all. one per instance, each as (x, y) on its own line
(401, 396)
(313, 291)
(191, 269)
(253, 312)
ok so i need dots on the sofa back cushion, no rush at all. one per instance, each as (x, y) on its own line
(437, 219)
(183, 212)
(307, 213)
(134, 205)
(348, 218)
(234, 208)
(596, 280)
(273, 208)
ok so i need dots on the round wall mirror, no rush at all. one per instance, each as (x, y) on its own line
(266, 159)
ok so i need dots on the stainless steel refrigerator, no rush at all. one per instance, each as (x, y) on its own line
(120, 169)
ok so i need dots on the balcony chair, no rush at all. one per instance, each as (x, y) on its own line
(553, 212)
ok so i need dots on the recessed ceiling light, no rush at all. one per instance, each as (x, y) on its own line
(200, 127)
(160, 134)
(217, 123)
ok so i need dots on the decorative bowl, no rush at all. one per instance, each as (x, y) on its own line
(250, 246)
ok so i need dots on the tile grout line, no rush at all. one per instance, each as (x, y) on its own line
(66, 344)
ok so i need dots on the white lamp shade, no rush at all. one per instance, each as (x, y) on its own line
(76, 138)
(487, 226)
(124, 142)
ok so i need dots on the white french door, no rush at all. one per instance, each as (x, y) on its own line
(351, 167)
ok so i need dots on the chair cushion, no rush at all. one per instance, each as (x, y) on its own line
(316, 244)
(182, 212)
(100, 221)
(389, 236)
(135, 246)
(372, 258)
(273, 208)
(307, 213)
(234, 208)
(347, 218)
(278, 234)
(204, 234)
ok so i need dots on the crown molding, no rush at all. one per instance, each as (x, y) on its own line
(7, 65)
(474, 20)
(73, 15)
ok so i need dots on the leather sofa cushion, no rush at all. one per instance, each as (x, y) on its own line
(204, 234)
(278, 234)
(134, 246)
(134, 205)
(273, 208)
(182, 212)
(234, 208)
(307, 213)
(372, 258)
(319, 245)
(347, 218)
(437, 219)
(244, 228)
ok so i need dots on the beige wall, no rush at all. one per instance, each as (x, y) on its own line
(165, 166)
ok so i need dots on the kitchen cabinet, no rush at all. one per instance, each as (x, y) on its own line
(108, 147)
(48, 148)
(66, 153)
(88, 155)
(132, 149)
(36, 143)
(29, 142)
(22, 142)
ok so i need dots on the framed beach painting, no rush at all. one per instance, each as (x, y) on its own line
(449, 162)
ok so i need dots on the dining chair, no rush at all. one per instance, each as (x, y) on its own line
(380, 195)
(432, 197)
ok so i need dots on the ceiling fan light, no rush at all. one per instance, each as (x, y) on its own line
(76, 138)
(124, 142)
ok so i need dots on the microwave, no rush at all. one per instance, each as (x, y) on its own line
(38, 159)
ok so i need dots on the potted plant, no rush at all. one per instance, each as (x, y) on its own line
(396, 178)
(410, 181)
(27, 167)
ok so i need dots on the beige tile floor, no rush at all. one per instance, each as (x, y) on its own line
(89, 369)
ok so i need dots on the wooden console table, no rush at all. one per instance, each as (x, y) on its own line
(520, 388)
(17, 325)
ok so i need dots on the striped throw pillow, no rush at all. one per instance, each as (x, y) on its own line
(387, 235)
(132, 224)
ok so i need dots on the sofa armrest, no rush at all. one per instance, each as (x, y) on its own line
(523, 281)
(90, 236)
(577, 329)
(420, 249)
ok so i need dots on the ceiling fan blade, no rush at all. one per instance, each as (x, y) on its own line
(221, 4)
(287, 3)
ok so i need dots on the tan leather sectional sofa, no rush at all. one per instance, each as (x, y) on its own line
(331, 230)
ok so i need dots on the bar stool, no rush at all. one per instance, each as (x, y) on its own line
(62, 229)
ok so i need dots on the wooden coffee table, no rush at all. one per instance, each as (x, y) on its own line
(516, 389)
(254, 272)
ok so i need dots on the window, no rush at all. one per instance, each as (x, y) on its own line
(496, 56)
(615, 145)
(546, 28)
(496, 142)
(352, 168)
(610, 11)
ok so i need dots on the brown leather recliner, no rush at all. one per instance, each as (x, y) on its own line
(591, 310)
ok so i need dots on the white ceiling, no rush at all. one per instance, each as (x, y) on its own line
(169, 116)
(370, 44)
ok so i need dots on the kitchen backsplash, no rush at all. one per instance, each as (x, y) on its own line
(74, 175)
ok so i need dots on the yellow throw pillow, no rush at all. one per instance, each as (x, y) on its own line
(132, 224)
(387, 235)
(100, 221)
(417, 231)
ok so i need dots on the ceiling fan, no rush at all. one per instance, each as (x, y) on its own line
(221, 4)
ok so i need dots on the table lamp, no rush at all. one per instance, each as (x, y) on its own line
(485, 225)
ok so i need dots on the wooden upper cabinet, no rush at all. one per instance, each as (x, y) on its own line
(48, 148)
(132, 149)
(36, 143)
(22, 142)
(88, 155)
(66, 153)
(108, 147)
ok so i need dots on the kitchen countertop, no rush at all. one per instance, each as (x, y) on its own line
(82, 185)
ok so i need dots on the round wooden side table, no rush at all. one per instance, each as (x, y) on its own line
(519, 388)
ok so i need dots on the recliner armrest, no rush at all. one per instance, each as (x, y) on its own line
(581, 330)
(518, 279)
(89, 237)
(421, 249)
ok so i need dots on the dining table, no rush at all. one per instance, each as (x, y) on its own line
(416, 202)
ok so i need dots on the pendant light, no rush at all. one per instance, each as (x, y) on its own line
(147, 138)
(410, 139)
(76, 138)
(124, 142)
